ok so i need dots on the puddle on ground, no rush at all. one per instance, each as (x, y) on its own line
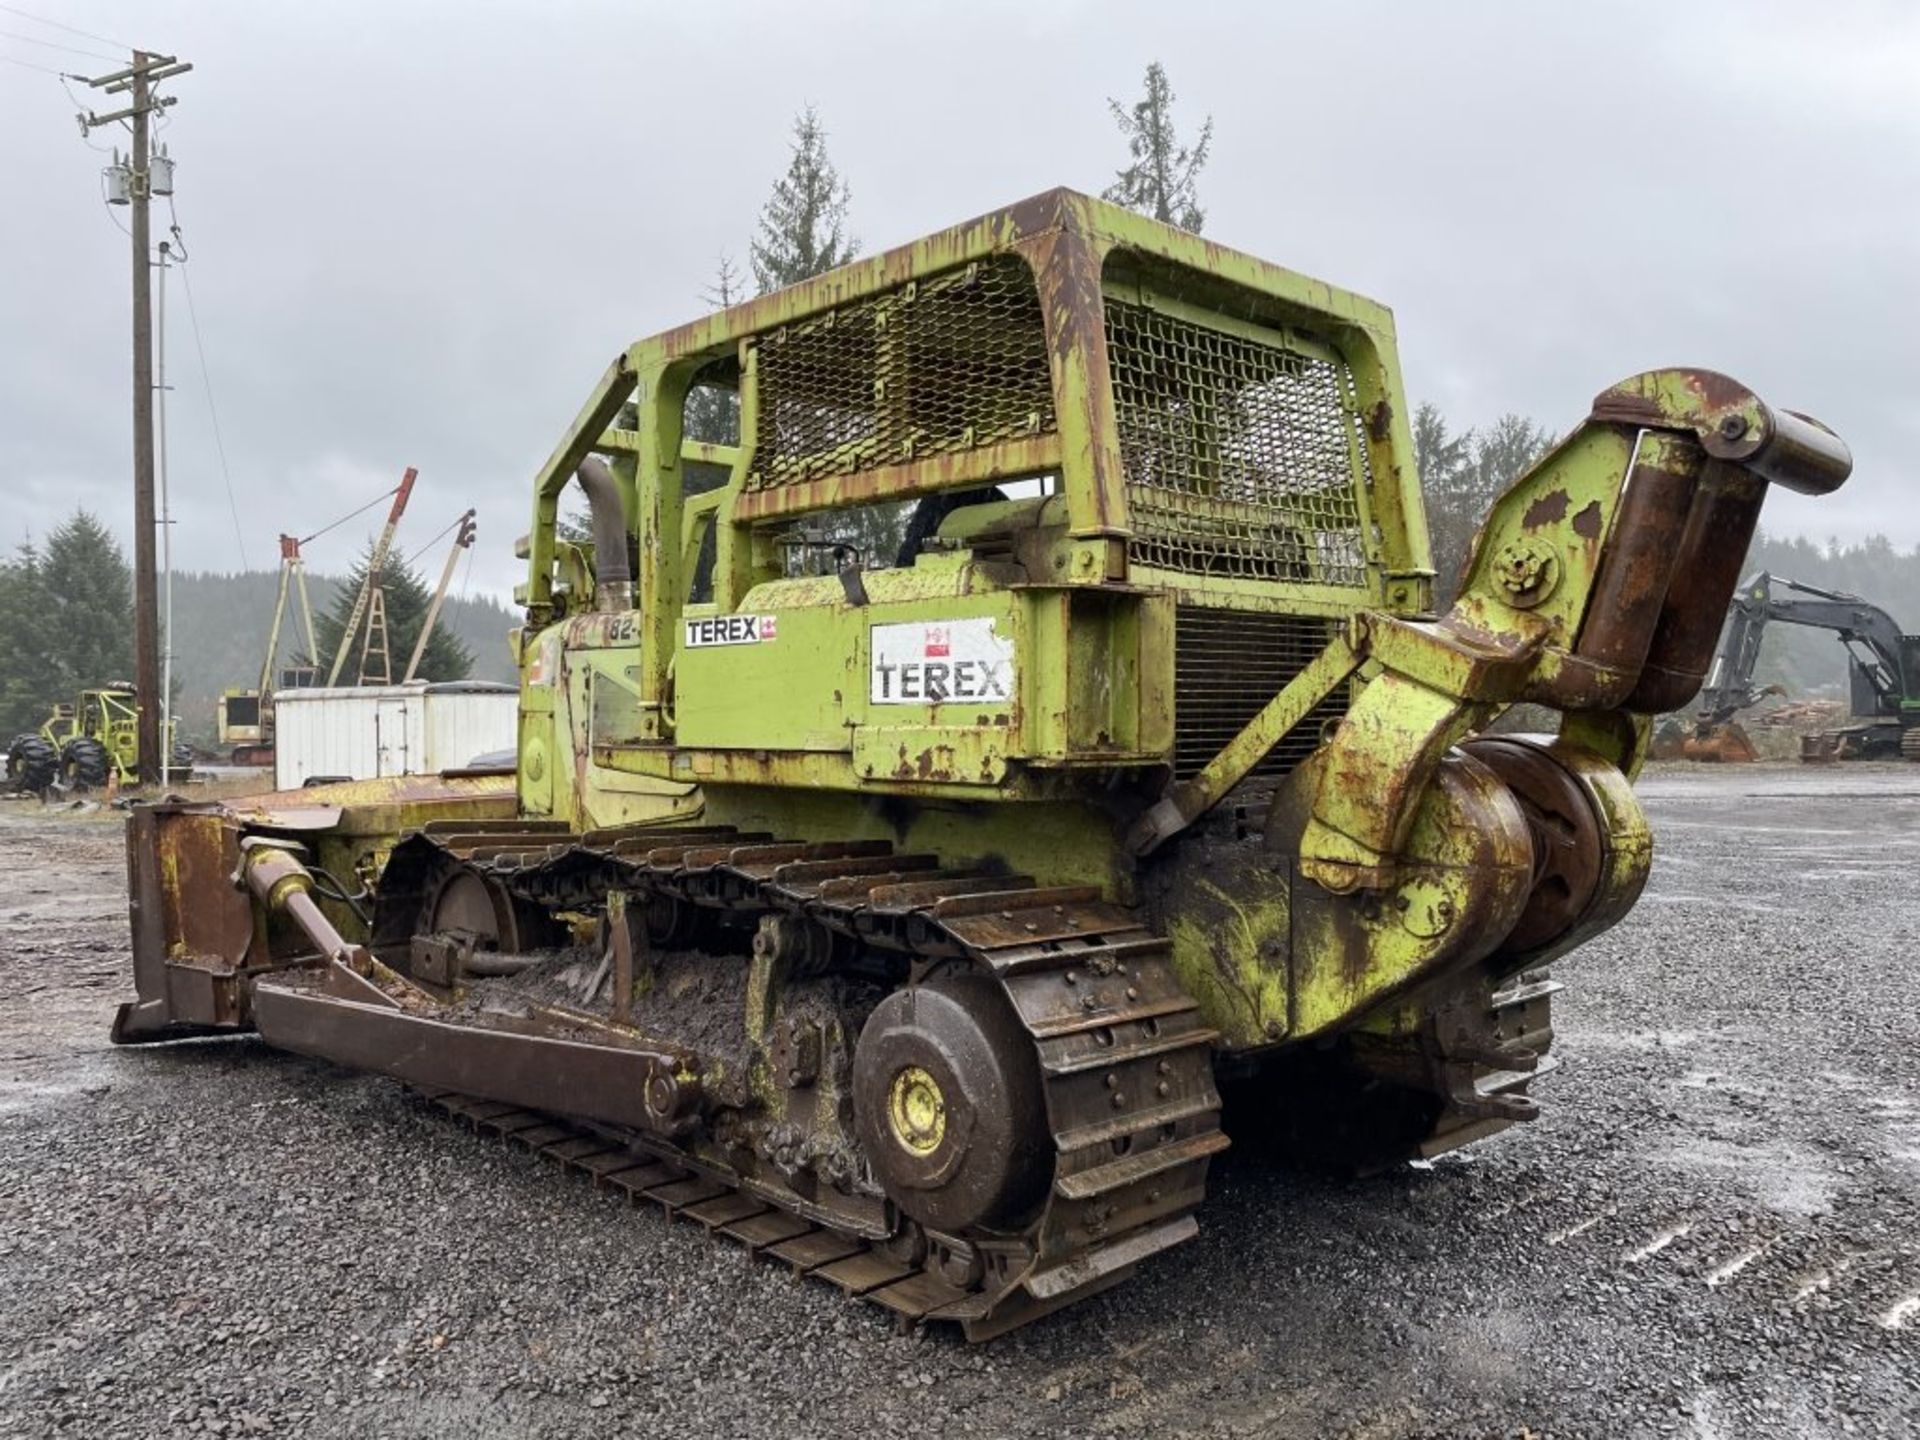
(1784, 1178)
(72, 1075)
(1641, 1039)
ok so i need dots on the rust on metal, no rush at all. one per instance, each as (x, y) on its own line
(1713, 547)
(1549, 509)
(919, 985)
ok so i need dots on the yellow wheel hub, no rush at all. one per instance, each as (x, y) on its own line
(917, 1110)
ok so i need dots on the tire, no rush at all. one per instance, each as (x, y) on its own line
(86, 764)
(1910, 744)
(181, 761)
(32, 763)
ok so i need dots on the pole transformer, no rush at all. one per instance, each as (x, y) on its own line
(137, 82)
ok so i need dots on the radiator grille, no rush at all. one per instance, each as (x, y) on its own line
(1242, 457)
(934, 367)
(1229, 663)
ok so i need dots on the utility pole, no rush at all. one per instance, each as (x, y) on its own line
(137, 82)
(165, 747)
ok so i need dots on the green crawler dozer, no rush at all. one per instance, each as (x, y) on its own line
(893, 909)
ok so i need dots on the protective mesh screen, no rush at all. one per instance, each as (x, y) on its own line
(1229, 663)
(933, 367)
(1242, 458)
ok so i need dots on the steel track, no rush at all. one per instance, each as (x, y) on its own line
(1126, 1065)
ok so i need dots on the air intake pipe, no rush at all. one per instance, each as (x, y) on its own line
(613, 573)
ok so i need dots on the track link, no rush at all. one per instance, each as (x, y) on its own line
(1126, 1065)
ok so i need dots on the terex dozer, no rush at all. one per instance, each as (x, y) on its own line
(893, 912)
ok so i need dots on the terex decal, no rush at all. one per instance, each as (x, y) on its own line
(948, 660)
(731, 630)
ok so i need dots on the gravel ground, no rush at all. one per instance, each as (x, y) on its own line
(1714, 1230)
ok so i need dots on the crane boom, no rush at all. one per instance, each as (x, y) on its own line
(374, 567)
(461, 541)
(273, 630)
(292, 573)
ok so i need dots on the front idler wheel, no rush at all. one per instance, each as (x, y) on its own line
(948, 1103)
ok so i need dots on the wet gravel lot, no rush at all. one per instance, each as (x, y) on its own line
(1713, 1231)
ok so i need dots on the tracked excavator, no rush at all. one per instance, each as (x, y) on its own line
(897, 913)
(1883, 673)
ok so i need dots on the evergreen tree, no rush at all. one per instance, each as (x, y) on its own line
(1161, 181)
(30, 677)
(803, 233)
(407, 599)
(87, 590)
(713, 411)
(803, 227)
(728, 288)
(1461, 476)
(1438, 454)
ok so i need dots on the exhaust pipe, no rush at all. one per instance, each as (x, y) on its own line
(613, 573)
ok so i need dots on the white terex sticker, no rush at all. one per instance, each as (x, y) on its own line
(954, 660)
(730, 630)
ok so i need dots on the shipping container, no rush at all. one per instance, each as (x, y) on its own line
(367, 731)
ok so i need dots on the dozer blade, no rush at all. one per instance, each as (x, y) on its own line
(195, 940)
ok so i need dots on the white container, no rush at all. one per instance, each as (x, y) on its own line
(368, 731)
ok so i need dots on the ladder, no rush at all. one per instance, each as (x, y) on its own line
(374, 648)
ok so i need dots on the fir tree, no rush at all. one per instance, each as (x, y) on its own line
(1461, 476)
(1161, 181)
(803, 233)
(88, 594)
(407, 599)
(30, 676)
(713, 411)
(727, 289)
(803, 227)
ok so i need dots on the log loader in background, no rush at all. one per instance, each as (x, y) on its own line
(1883, 674)
(894, 915)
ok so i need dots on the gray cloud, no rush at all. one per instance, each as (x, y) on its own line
(419, 231)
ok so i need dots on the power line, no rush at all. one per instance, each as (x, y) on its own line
(57, 25)
(55, 45)
(77, 105)
(419, 550)
(383, 495)
(25, 66)
(206, 381)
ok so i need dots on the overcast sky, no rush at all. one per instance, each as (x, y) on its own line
(419, 231)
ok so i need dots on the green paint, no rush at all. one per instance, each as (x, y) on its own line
(1206, 434)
